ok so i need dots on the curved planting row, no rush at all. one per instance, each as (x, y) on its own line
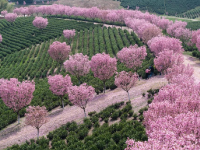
(22, 34)
(96, 132)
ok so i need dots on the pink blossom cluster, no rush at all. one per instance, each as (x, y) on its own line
(144, 29)
(10, 17)
(172, 120)
(59, 51)
(105, 15)
(1, 39)
(103, 66)
(177, 24)
(40, 22)
(15, 94)
(4, 12)
(36, 116)
(179, 70)
(125, 80)
(134, 19)
(196, 38)
(69, 33)
(167, 59)
(158, 44)
(81, 95)
(78, 65)
(59, 85)
(132, 56)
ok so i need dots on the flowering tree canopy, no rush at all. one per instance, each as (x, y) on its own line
(15, 94)
(158, 44)
(36, 116)
(103, 66)
(126, 80)
(59, 85)
(179, 69)
(81, 95)
(132, 56)
(78, 65)
(40, 22)
(10, 17)
(1, 39)
(4, 12)
(167, 59)
(69, 33)
(59, 51)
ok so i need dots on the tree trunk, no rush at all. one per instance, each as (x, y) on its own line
(128, 96)
(84, 112)
(60, 66)
(18, 117)
(62, 101)
(104, 89)
(37, 133)
(79, 82)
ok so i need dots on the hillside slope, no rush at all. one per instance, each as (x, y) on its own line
(158, 6)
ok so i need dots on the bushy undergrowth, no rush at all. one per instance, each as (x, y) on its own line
(105, 137)
(35, 63)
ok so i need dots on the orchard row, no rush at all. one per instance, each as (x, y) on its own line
(35, 62)
(22, 34)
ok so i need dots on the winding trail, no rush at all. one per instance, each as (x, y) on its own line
(17, 134)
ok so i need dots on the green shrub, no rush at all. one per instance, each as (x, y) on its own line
(135, 116)
(130, 113)
(115, 115)
(94, 119)
(141, 118)
(124, 116)
(96, 125)
(91, 113)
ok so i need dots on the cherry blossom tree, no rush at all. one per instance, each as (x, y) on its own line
(36, 116)
(24, 3)
(166, 59)
(198, 42)
(159, 43)
(59, 51)
(40, 22)
(177, 24)
(150, 32)
(178, 69)
(69, 33)
(59, 85)
(4, 12)
(1, 39)
(112, 16)
(103, 67)
(126, 80)
(16, 95)
(195, 34)
(78, 65)
(10, 17)
(81, 95)
(132, 56)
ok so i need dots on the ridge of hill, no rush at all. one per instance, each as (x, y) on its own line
(160, 6)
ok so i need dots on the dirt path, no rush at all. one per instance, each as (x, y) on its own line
(19, 134)
(16, 134)
(195, 63)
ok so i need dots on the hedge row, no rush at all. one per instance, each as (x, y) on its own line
(19, 36)
(102, 137)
